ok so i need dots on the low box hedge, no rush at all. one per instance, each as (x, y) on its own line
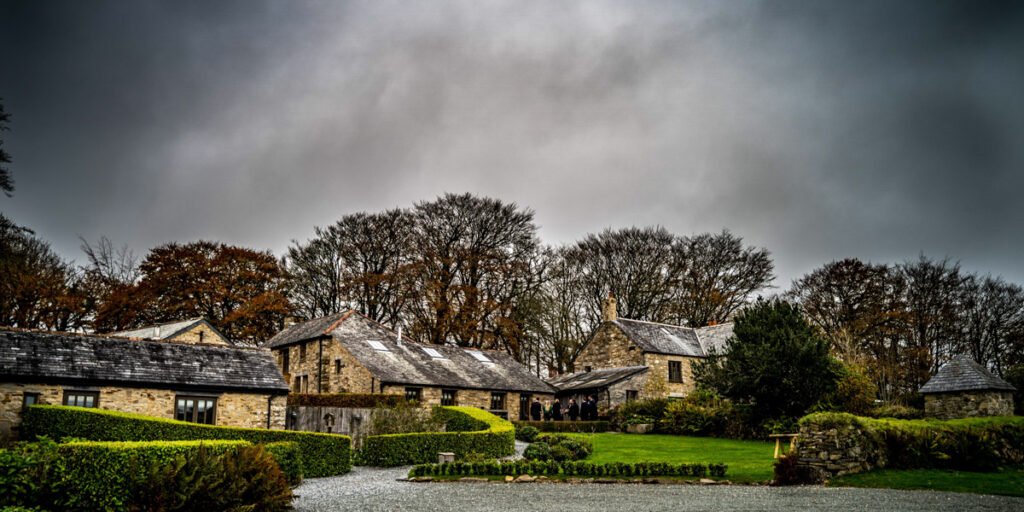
(584, 427)
(288, 458)
(322, 454)
(470, 430)
(354, 400)
(100, 475)
(972, 444)
(569, 469)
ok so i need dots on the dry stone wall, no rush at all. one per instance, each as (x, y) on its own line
(967, 404)
(832, 452)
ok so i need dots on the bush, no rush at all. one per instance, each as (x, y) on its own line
(582, 427)
(570, 469)
(322, 454)
(638, 411)
(537, 451)
(855, 392)
(899, 412)
(1015, 376)
(970, 444)
(526, 433)
(470, 430)
(354, 400)
(288, 458)
(575, 448)
(701, 413)
(403, 418)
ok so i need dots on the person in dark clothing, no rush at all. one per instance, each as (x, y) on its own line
(574, 410)
(585, 409)
(556, 410)
(536, 409)
(593, 408)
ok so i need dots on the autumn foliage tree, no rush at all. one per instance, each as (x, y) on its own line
(239, 290)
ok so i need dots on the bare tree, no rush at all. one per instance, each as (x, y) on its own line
(6, 182)
(992, 320)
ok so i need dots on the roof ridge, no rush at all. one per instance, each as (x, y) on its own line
(663, 324)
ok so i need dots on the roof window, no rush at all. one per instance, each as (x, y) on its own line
(479, 356)
(378, 346)
(432, 352)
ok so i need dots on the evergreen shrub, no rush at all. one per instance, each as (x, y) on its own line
(322, 454)
(469, 430)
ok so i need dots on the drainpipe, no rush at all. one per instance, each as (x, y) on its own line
(320, 365)
(270, 400)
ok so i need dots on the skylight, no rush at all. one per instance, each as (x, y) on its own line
(378, 346)
(479, 356)
(433, 353)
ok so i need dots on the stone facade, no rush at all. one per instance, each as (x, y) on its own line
(337, 369)
(232, 409)
(659, 364)
(836, 452)
(609, 348)
(200, 333)
(965, 404)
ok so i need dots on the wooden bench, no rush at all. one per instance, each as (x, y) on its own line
(778, 442)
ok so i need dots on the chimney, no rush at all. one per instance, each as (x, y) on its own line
(290, 321)
(398, 341)
(608, 310)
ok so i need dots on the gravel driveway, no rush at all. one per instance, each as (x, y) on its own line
(373, 489)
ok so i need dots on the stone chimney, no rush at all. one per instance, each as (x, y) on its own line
(608, 310)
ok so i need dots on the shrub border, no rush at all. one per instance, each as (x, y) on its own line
(470, 430)
(569, 469)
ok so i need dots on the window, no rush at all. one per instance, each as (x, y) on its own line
(675, 371)
(631, 395)
(82, 398)
(298, 384)
(432, 352)
(305, 383)
(29, 399)
(497, 401)
(285, 360)
(587, 369)
(378, 346)
(479, 356)
(196, 409)
(337, 366)
(414, 394)
(302, 352)
(448, 397)
(201, 336)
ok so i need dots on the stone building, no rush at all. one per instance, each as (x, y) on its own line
(194, 330)
(667, 351)
(349, 353)
(963, 388)
(229, 386)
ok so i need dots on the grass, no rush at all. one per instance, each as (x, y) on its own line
(749, 461)
(1008, 482)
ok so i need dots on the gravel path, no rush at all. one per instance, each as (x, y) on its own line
(373, 489)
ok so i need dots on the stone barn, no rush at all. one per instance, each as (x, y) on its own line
(963, 388)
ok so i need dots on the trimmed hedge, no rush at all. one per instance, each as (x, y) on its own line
(100, 476)
(583, 427)
(288, 458)
(470, 430)
(322, 454)
(569, 469)
(972, 444)
(355, 400)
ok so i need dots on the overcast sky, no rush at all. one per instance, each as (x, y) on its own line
(819, 130)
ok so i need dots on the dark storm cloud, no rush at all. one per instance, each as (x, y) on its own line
(816, 129)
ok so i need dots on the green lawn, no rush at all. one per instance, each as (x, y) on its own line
(1006, 482)
(749, 461)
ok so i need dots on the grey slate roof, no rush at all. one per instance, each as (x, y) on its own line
(165, 331)
(307, 330)
(408, 363)
(963, 374)
(673, 339)
(52, 357)
(595, 378)
(714, 337)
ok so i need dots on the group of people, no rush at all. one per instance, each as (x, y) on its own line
(548, 411)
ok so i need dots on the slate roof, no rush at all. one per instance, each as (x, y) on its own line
(408, 363)
(963, 374)
(673, 339)
(94, 360)
(165, 331)
(595, 378)
(714, 337)
(307, 330)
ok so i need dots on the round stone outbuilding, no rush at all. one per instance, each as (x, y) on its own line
(963, 388)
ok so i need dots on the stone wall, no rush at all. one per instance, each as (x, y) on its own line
(340, 371)
(828, 453)
(201, 333)
(608, 348)
(658, 364)
(233, 409)
(967, 404)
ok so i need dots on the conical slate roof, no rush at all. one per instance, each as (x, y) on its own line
(963, 374)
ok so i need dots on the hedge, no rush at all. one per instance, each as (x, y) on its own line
(569, 468)
(288, 458)
(99, 475)
(470, 430)
(322, 454)
(585, 427)
(978, 444)
(355, 400)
